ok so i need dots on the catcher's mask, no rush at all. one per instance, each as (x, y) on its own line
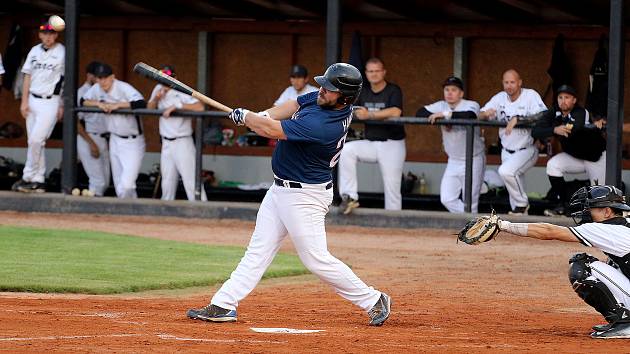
(595, 197)
(343, 78)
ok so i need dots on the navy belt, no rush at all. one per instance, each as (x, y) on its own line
(289, 184)
(127, 136)
(171, 139)
(102, 135)
(513, 151)
(42, 97)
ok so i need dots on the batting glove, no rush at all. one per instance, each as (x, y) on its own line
(238, 116)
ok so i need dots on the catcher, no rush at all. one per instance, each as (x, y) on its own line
(598, 213)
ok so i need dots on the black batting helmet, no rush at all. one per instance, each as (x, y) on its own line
(595, 197)
(343, 78)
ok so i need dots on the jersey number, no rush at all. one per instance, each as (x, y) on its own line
(335, 158)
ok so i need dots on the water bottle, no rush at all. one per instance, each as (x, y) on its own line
(423, 184)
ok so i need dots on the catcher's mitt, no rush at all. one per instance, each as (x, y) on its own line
(481, 229)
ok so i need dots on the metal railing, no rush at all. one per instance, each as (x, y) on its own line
(469, 124)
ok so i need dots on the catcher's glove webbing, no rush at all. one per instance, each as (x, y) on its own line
(481, 229)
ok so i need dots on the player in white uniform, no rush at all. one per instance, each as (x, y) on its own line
(454, 139)
(178, 148)
(1, 70)
(126, 141)
(519, 153)
(41, 104)
(92, 140)
(299, 85)
(598, 210)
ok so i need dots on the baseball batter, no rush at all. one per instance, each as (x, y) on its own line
(299, 85)
(519, 153)
(384, 143)
(126, 142)
(583, 145)
(92, 138)
(603, 285)
(178, 148)
(308, 148)
(41, 104)
(453, 106)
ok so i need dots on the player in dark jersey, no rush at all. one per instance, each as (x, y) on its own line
(598, 211)
(309, 145)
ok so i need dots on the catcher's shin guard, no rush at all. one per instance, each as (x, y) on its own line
(594, 292)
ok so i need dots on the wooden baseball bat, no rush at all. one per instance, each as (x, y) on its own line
(152, 73)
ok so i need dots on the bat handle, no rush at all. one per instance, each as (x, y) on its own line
(209, 101)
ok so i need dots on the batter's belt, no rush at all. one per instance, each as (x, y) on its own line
(290, 184)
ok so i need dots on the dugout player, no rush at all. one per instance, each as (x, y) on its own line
(1, 70)
(178, 148)
(311, 132)
(298, 77)
(92, 141)
(126, 141)
(454, 106)
(583, 145)
(603, 285)
(519, 153)
(384, 143)
(41, 104)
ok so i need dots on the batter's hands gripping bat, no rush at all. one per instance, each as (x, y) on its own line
(154, 74)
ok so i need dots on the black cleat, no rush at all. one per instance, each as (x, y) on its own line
(379, 313)
(212, 313)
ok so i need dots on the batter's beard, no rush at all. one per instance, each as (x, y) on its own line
(326, 105)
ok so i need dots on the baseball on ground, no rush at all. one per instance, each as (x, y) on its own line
(57, 23)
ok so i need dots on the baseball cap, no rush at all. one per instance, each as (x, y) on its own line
(453, 81)
(103, 70)
(298, 71)
(567, 89)
(45, 26)
(91, 67)
(168, 70)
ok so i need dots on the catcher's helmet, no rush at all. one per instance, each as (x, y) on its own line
(595, 197)
(343, 78)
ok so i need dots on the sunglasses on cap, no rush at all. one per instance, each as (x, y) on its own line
(168, 72)
(46, 28)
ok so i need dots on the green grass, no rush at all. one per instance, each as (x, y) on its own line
(71, 261)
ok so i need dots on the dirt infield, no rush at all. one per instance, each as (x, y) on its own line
(511, 295)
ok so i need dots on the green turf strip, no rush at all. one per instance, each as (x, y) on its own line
(70, 261)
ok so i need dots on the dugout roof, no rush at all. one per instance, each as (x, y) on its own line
(578, 12)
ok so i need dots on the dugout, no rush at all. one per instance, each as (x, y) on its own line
(239, 52)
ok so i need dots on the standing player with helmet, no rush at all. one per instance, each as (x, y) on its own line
(454, 106)
(519, 153)
(603, 285)
(41, 104)
(583, 147)
(311, 133)
(384, 144)
(178, 148)
(92, 140)
(126, 141)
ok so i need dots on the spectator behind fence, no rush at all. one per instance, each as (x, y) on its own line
(519, 153)
(583, 146)
(126, 142)
(178, 149)
(299, 85)
(384, 144)
(453, 106)
(41, 104)
(92, 138)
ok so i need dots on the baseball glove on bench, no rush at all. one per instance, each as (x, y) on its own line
(479, 230)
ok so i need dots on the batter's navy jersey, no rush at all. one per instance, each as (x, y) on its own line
(315, 137)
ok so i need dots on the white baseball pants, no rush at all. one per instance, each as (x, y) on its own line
(301, 213)
(454, 184)
(614, 279)
(513, 166)
(390, 156)
(126, 157)
(178, 158)
(40, 123)
(97, 169)
(563, 163)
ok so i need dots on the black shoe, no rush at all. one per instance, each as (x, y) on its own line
(379, 313)
(519, 211)
(618, 330)
(212, 313)
(559, 210)
(348, 204)
(31, 187)
(602, 327)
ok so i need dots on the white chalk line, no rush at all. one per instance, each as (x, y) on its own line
(172, 337)
(15, 339)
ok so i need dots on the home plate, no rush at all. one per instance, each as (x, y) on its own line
(286, 330)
